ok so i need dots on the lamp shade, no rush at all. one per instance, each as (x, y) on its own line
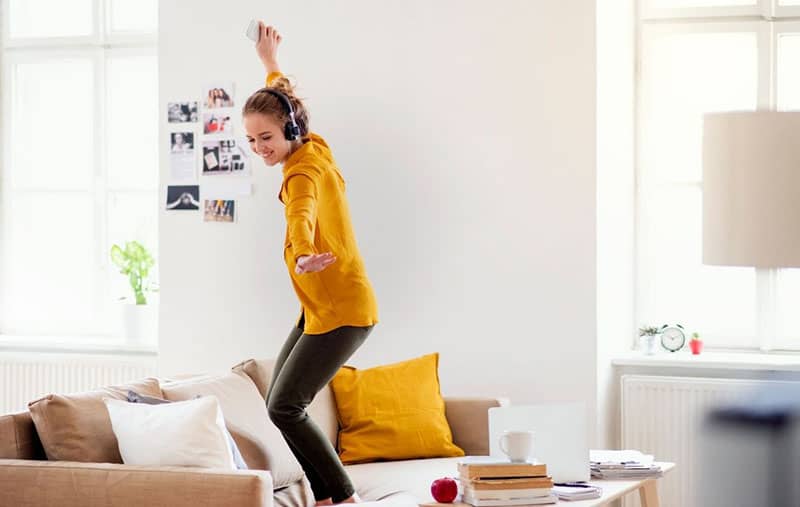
(751, 189)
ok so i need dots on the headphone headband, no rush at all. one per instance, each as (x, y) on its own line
(291, 130)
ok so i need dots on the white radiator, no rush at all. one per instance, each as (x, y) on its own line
(662, 416)
(26, 377)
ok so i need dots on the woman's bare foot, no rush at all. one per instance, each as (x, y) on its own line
(327, 501)
(353, 499)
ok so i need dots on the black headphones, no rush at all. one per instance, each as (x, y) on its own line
(291, 130)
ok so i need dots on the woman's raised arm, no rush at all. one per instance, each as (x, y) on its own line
(267, 47)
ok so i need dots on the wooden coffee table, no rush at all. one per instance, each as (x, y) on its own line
(617, 488)
(612, 490)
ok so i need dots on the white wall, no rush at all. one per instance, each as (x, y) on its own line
(466, 131)
(615, 204)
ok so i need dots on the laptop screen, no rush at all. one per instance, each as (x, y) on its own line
(560, 436)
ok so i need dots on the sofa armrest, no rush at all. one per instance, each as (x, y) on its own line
(469, 422)
(29, 483)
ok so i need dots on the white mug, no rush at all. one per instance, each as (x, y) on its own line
(517, 445)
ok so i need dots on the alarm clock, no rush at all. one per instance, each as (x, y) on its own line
(673, 338)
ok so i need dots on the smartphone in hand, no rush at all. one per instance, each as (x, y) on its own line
(253, 31)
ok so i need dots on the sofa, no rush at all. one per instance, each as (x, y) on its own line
(39, 466)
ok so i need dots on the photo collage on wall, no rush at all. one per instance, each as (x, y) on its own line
(204, 128)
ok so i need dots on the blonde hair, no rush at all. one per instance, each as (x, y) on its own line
(264, 102)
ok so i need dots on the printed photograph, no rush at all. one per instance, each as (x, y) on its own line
(182, 112)
(181, 156)
(183, 197)
(219, 210)
(181, 142)
(219, 96)
(217, 123)
(223, 156)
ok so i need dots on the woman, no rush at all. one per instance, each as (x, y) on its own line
(179, 144)
(338, 306)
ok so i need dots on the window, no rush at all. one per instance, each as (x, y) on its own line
(698, 56)
(79, 160)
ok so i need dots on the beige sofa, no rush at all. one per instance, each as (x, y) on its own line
(28, 478)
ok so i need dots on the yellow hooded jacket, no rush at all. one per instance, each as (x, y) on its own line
(318, 221)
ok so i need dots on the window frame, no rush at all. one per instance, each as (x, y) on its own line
(98, 47)
(768, 20)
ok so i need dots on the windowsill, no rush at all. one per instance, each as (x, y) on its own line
(720, 360)
(74, 345)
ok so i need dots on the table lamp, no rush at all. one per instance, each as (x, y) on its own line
(751, 198)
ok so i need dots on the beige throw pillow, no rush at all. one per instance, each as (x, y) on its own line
(322, 409)
(76, 427)
(260, 442)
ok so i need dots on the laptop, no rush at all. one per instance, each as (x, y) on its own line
(560, 438)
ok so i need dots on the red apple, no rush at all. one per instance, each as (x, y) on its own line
(444, 490)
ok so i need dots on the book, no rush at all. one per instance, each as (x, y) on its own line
(505, 494)
(516, 502)
(626, 474)
(501, 470)
(507, 483)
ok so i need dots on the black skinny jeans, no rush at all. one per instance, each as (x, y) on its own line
(305, 364)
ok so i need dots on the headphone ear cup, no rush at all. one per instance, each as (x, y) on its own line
(291, 131)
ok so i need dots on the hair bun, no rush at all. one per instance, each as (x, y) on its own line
(283, 85)
(266, 103)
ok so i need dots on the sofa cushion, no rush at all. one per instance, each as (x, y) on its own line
(185, 433)
(134, 397)
(18, 438)
(299, 494)
(386, 479)
(76, 427)
(259, 371)
(259, 441)
(25, 483)
(392, 412)
(322, 409)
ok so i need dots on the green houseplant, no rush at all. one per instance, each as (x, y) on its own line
(140, 319)
(648, 336)
(134, 261)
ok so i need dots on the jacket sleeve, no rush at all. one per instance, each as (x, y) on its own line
(301, 213)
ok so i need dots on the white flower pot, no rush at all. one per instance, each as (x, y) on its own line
(140, 324)
(647, 344)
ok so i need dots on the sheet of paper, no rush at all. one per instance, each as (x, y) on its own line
(619, 456)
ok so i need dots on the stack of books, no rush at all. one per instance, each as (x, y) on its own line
(489, 482)
(623, 465)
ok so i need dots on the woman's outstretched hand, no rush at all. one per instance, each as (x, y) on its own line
(267, 45)
(313, 263)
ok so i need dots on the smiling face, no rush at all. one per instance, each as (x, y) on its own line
(265, 136)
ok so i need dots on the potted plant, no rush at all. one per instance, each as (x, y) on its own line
(696, 344)
(139, 319)
(648, 338)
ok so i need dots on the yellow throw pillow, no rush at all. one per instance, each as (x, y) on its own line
(392, 412)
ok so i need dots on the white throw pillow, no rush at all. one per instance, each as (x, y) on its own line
(185, 433)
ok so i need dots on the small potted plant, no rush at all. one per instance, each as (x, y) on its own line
(140, 320)
(648, 338)
(696, 344)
